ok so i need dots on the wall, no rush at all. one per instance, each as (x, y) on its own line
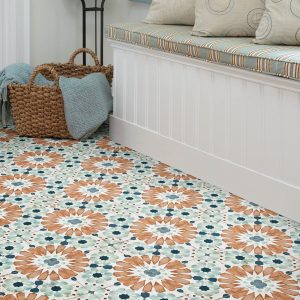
(14, 32)
(56, 26)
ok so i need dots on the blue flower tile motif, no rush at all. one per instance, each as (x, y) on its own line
(61, 289)
(17, 283)
(100, 271)
(10, 244)
(94, 220)
(240, 258)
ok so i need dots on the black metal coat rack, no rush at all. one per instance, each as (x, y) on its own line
(94, 9)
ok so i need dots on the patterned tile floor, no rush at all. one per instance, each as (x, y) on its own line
(95, 220)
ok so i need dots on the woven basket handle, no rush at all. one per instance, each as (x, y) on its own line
(41, 68)
(84, 50)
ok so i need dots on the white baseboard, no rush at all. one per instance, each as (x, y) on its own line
(253, 186)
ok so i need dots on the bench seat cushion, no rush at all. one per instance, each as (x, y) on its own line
(283, 61)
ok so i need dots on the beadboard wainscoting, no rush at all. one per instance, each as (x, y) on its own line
(237, 129)
(14, 31)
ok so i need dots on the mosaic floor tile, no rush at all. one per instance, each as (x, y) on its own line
(95, 220)
(10, 244)
(16, 285)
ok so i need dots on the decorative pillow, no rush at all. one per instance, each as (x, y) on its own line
(228, 17)
(172, 12)
(280, 23)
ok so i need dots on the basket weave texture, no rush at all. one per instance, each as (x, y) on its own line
(38, 111)
(70, 69)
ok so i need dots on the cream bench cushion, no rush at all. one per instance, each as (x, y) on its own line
(283, 61)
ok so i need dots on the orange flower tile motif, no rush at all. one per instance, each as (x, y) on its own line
(9, 213)
(106, 144)
(163, 230)
(144, 273)
(172, 197)
(257, 239)
(258, 283)
(93, 190)
(20, 184)
(39, 160)
(75, 222)
(51, 262)
(107, 165)
(6, 135)
(168, 172)
(23, 296)
(54, 143)
(240, 205)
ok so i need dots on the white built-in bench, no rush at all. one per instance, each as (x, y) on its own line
(222, 109)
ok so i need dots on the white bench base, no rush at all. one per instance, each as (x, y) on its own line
(237, 129)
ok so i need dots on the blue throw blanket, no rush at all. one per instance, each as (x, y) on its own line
(17, 73)
(87, 101)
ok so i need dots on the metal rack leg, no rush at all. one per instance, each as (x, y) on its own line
(94, 9)
(102, 31)
(96, 27)
(84, 29)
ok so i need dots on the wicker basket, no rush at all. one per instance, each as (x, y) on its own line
(70, 69)
(38, 111)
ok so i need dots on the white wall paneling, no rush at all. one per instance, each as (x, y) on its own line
(237, 129)
(14, 32)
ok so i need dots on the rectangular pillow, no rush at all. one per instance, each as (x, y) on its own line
(280, 23)
(172, 12)
(220, 18)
